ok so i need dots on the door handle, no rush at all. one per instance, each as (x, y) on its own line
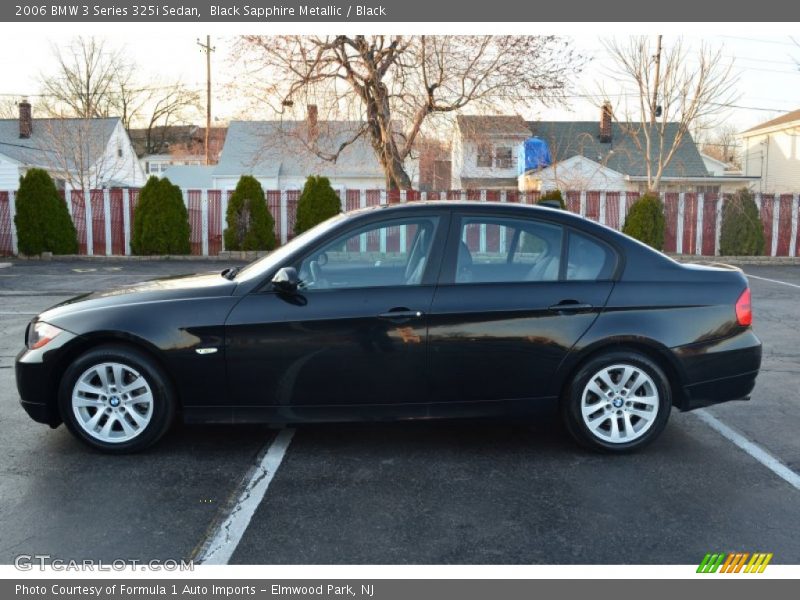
(400, 314)
(570, 306)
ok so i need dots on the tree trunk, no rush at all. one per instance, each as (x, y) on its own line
(379, 123)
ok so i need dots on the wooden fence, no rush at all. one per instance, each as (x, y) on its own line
(103, 218)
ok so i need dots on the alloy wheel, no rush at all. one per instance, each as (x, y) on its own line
(112, 402)
(619, 403)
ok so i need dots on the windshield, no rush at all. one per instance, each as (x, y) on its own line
(263, 265)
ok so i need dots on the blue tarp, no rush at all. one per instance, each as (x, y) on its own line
(533, 155)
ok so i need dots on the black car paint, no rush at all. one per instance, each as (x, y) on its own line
(475, 349)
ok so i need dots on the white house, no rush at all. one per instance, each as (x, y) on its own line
(771, 152)
(484, 151)
(586, 155)
(158, 164)
(575, 173)
(282, 154)
(718, 167)
(78, 153)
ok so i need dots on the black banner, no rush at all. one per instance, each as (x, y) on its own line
(265, 11)
(731, 588)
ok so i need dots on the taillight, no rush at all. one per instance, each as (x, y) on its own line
(744, 309)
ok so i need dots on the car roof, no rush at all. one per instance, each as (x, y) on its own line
(470, 205)
(473, 206)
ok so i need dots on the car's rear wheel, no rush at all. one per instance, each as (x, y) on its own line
(116, 399)
(618, 402)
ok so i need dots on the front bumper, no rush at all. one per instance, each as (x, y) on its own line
(720, 370)
(37, 375)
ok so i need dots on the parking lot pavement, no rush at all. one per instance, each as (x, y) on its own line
(772, 417)
(59, 498)
(422, 492)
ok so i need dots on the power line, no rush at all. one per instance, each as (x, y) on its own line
(760, 41)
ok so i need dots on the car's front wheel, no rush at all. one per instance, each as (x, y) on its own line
(116, 399)
(618, 402)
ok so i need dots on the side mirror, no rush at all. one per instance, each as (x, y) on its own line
(286, 280)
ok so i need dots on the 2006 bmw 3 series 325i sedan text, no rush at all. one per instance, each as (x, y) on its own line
(419, 310)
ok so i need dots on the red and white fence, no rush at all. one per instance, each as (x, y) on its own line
(103, 218)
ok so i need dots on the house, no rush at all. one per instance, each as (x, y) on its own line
(163, 146)
(771, 152)
(190, 177)
(282, 154)
(717, 167)
(78, 153)
(586, 155)
(484, 151)
(433, 157)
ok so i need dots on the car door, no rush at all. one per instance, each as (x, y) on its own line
(354, 334)
(514, 296)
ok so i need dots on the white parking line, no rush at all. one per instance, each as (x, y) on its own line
(220, 546)
(753, 449)
(794, 285)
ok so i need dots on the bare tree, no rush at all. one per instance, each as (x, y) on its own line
(95, 81)
(8, 108)
(722, 143)
(85, 82)
(675, 90)
(394, 85)
(168, 107)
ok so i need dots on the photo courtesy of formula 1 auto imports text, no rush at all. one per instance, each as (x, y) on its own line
(398, 299)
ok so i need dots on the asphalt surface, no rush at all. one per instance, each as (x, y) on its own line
(422, 492)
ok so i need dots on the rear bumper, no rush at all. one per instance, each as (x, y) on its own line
(719, 371)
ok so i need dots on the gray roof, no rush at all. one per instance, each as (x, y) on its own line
(281, 149)
(43, 148)
(570, 138)
(476, 126)
(190, 177)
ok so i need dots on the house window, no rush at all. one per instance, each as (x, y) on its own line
(708, 189)
(485, 158)
(504, 158)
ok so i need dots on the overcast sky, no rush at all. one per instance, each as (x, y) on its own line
(769, 79)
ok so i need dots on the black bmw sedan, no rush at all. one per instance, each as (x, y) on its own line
(420, 310)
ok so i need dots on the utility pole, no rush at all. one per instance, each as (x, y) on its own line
(654, 104)
(208, 49)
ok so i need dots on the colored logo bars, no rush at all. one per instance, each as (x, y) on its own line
(734, 562)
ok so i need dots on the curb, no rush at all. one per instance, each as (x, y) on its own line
(223, 256)
(738, 260)
(253, 255)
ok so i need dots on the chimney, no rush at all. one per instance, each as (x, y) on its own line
(606, 114)
(25, 119)
(313, 123)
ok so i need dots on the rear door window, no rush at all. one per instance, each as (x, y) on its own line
(588, 259)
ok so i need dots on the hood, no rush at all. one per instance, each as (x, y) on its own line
(207, 285)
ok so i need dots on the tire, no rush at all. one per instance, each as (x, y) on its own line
(125, 384)
(618, 402)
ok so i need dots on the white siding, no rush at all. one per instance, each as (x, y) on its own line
(465, 159)
(456, 161)
(576, 173)
(124, 169)
(775, 157)
(9, 174)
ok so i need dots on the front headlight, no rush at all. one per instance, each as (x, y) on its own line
(41, 333)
